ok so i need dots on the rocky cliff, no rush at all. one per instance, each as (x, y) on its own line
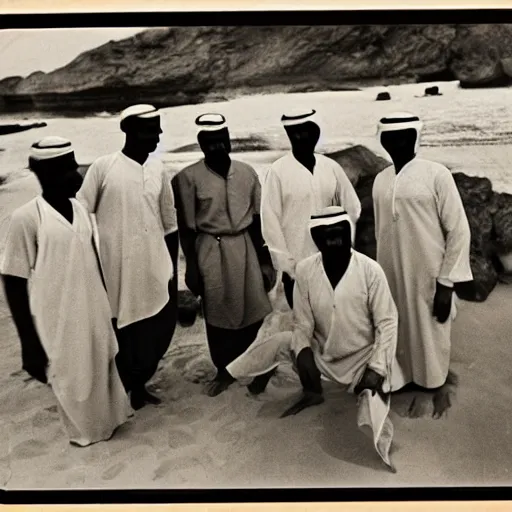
(173, 66)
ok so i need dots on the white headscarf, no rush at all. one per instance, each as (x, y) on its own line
(401, 121)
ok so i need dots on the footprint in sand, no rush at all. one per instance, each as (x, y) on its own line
(113, 471)
(30, 449)
(180, 438)
(230, 433)
(174, 465)
(43, 420)
(221, 413)
(188, 415)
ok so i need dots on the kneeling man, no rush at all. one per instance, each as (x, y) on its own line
(345, 328)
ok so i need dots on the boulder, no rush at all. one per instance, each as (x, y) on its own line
(358, 162)
(383, 96)
(502, 223)
(432, 91)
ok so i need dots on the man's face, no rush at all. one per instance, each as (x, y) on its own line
(303, 137)
(334, 239)
(145, 133)
(216, 144)
(399, 144)
(59, 177)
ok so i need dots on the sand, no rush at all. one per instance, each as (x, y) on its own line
(234, 440)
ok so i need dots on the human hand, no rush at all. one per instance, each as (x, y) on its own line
(269, 276)
(370, 380)
(194, 281)
(442, 302)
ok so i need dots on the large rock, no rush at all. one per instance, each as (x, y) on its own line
(178, 65)
(359, 162)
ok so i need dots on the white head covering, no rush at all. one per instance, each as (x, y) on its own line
(210, 122)
(296, 117)
(50, 147)
(142, 111)
(401, 121)
(332, 215)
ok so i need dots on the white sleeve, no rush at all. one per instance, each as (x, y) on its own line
(456, 263)
(271, 218)
(88, 194)
(21, 247)
(385, 318)
(167, 206)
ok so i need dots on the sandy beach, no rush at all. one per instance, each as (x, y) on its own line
(233, 440)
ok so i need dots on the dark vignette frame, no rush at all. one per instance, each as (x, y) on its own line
(256, 18)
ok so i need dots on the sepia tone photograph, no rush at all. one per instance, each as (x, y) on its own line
(268, 256)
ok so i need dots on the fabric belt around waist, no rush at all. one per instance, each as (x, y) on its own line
(220, 236)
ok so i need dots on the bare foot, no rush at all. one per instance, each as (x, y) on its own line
(137, 400)
(220, 383)
(259, 383)
(216, 387)
(151, 399)
(443, 396)
(419, 406)
(308, 400)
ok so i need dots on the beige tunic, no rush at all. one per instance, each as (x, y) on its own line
(134, 209)
(72, 316)
(291, 194)
(220, 211)
(422, 236)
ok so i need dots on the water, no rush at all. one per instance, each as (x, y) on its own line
(468, 130)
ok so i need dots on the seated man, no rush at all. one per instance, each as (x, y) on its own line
(345, 325)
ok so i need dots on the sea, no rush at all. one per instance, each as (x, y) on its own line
(469, 130)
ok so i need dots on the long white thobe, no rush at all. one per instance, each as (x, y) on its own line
(72, 316)
(422, 236)
(348, 329)
(134, 208)
(290, 195)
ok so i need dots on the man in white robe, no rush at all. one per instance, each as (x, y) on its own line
(345, 327)
(423, 244)
(131, 196)
(60, 307)
(296, 186)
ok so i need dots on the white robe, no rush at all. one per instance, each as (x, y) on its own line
(134, 209)
(348, 329)
(290, 195)
(72, 316)
(422, 236)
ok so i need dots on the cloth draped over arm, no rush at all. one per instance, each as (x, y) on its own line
(385, 319)
(304, 322)
(271, 219)
(456, 263)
